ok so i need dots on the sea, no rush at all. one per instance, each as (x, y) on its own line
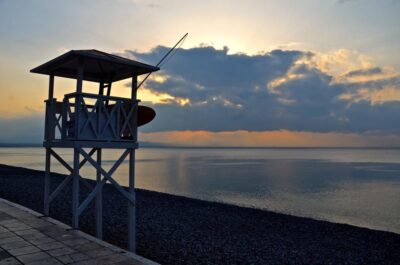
(353, 186)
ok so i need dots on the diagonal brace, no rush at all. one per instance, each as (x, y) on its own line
(108, 175)
(69, 177)
(70, 169)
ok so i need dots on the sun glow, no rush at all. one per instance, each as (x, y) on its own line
(279, 138)
(281, 80)
(376, 97)
(148, 95)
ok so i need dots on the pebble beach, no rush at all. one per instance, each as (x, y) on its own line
(178, 230)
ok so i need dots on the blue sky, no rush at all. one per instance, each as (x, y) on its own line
(327, 67)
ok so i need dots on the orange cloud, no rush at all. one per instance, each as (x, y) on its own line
(372, 95)
(281, 138)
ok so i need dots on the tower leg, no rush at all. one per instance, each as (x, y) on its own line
(46, 207)
(75, 190)
(99, 200)
(131, 207)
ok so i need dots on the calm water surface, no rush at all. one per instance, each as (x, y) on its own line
(354, 186)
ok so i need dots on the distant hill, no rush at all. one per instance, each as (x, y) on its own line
(20, 144)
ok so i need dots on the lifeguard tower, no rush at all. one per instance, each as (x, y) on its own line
(93, 121)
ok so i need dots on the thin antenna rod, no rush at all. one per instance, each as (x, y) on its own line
(162, 59)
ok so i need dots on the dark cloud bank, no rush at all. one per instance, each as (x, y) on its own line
(230, 92)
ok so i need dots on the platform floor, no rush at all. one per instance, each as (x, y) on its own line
(28, 238)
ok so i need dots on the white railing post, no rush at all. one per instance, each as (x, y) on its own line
(64, 117)
(50, 120)
(47, 121)
(78, 98)
(49, 126)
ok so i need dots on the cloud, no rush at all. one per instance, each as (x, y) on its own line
(207, 89)
(281, 138)
(373, 95)
(210, 89)
(339, 61)
(204, 72)
(365, 72)
(372, 75)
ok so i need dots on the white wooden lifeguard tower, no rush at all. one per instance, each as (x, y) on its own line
(93, 121)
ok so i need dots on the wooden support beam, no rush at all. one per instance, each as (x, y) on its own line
(108, 175)
(134, 88)
(101, 88)
(99, 199)
(65, 164)
(62, 185)
(91, 195)
(51, 86)
(132, 204)
(65, 181)
(62, 162)
(78, 98)
(47, 183)
(75, 190)
(132, 195)
(79, 77)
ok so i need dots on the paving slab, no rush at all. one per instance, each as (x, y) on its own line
(26, 237)
(10, 261)
(24, 250)
(74, 257)
(34, 257)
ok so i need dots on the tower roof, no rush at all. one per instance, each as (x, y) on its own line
(97, 66)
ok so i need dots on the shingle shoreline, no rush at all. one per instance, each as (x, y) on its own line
(177, 230)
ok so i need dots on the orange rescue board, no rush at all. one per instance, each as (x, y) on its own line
(145, 115)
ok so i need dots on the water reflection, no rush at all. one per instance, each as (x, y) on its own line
(343, 185)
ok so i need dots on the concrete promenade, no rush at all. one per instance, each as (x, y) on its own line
(28, 238)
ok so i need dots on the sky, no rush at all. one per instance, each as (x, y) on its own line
(251, 73)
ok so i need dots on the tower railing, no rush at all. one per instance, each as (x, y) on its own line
(91, 117)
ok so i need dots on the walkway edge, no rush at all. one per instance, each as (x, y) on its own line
(82, 234)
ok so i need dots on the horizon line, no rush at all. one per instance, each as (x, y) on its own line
(157, 145)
